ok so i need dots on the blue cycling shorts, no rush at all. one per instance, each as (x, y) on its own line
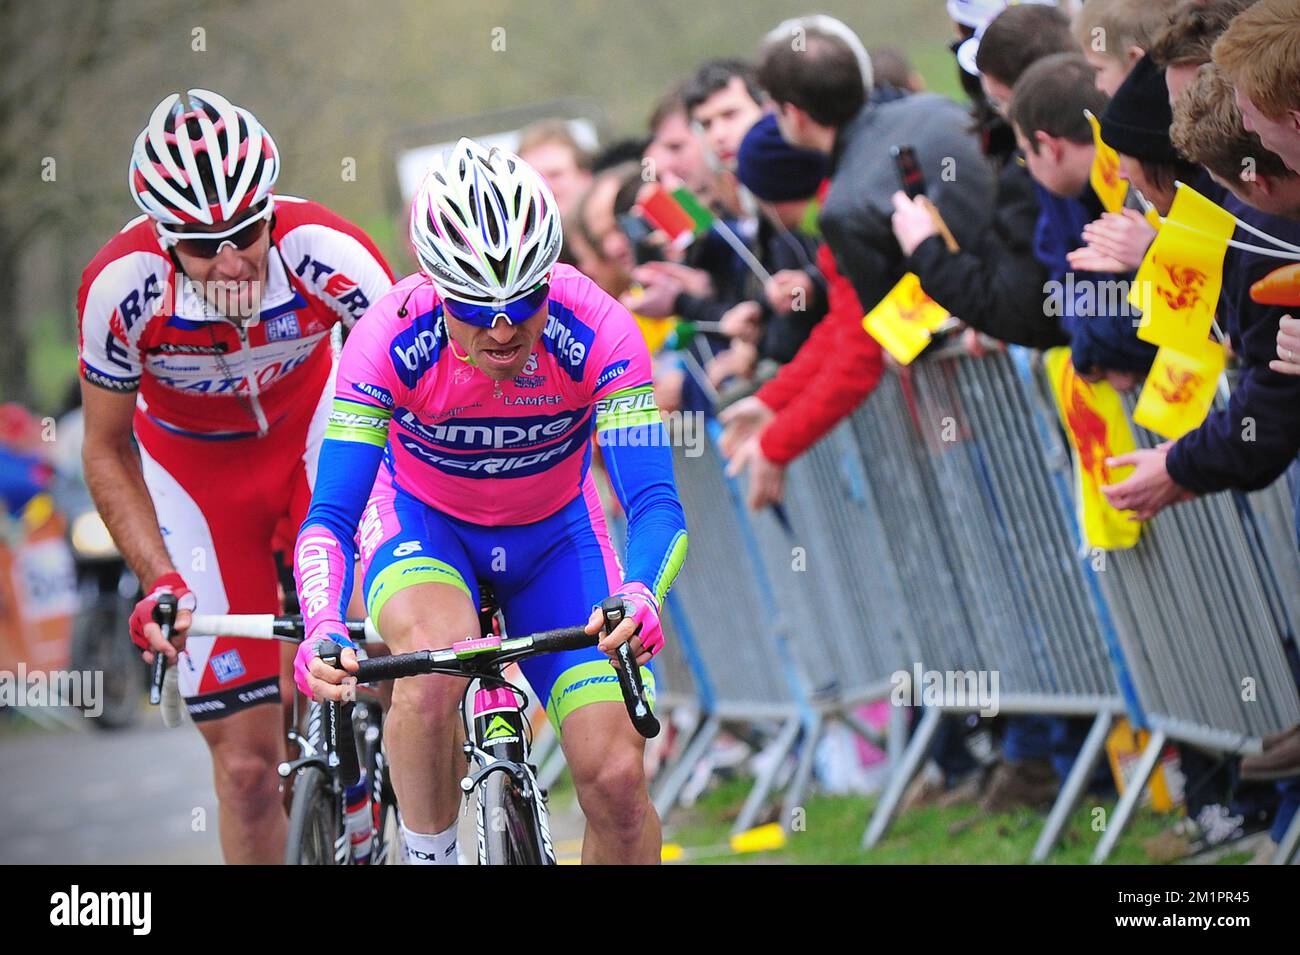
(546, 575)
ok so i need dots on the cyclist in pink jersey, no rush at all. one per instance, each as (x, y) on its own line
(469, 397)
(206, 377)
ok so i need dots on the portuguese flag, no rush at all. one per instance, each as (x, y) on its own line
(678, 214)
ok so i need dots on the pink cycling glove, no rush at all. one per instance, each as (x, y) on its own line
(640, 604)
(325, 630)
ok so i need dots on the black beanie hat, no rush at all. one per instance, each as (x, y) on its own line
(775, 171)
(1136, 121)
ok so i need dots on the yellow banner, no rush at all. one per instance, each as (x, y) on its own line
(904, 319)
(1094, 420)
(1104, 177)
(1179, 390)
(1178, 284)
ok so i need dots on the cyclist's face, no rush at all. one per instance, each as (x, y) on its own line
(231, 274)
(502, 350)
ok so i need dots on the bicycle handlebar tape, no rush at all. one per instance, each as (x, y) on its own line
(340, 742)
(374, 669)
(164, 614)
(557, 641)
(629, 674)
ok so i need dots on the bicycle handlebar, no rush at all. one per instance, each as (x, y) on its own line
(629, 674)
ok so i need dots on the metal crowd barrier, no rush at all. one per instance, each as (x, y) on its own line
(935, 529)
(977, 510)
(1202, 605)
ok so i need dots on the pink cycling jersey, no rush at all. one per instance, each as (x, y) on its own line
(488, 455)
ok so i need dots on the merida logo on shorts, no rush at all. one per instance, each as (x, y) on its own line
(588, 681)
(77, 908)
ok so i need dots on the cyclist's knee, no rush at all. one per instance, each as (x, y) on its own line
(246, 781)
(612, 789)
(432, 699)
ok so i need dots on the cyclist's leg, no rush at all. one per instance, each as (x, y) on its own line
(227, 682)
(421, 594)
(575, 569)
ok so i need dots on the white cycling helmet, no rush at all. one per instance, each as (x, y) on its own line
(201, 159)
(484, 225)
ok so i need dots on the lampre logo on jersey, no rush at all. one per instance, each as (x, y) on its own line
(314, 572)
(499, 433)
(568, 339)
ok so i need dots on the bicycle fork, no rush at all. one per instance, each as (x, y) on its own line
(498, 746)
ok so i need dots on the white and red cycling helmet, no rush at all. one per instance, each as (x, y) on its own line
(202, 160)
(484, 225)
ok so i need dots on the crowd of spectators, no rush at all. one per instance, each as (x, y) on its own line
(792, 154)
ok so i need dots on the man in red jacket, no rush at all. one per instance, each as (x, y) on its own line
(837, 367)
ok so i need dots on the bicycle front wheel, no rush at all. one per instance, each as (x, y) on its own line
(315, 821)
(506, 825)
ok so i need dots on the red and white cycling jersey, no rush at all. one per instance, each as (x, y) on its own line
(200, 374)
(229, 419)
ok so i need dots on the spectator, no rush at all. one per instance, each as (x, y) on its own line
(1209, 131)
(891, 68)
(1017, 37)
(998, 288)
(1047, 111)
(784, 180)
(1186, 42)
(1221, 454)
(549, 147)
(820, 95)
(724, 100)
(675, 151)
(1260, 53)
(1115, 34)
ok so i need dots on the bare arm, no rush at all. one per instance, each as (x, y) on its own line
(112, 468)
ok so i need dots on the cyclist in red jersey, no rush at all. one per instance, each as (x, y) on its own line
(205, 334)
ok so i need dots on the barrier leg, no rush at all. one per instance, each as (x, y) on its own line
(763, 785)
(666, 797)
(904, 770)
(1072, 789)
(798, 791)
(896, 743)
(868, 733)
(1132, 793)
(1286, 849)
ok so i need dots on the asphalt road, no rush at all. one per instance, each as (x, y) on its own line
(76, 795)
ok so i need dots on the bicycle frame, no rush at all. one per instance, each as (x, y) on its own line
(499, 743)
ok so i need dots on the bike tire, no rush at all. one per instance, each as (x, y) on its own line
(506, 822)
(98, 645)
(315, 820)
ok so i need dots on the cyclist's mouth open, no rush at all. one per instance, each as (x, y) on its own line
(502, 357)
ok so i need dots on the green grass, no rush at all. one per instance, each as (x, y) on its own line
(834, 826)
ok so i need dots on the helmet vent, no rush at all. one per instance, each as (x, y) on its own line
(453, 233)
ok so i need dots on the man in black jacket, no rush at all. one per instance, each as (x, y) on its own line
(816, 81)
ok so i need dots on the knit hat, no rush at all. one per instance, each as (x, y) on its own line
(1136, 121)
(775, 171)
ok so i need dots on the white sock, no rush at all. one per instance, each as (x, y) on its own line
(424, 849)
